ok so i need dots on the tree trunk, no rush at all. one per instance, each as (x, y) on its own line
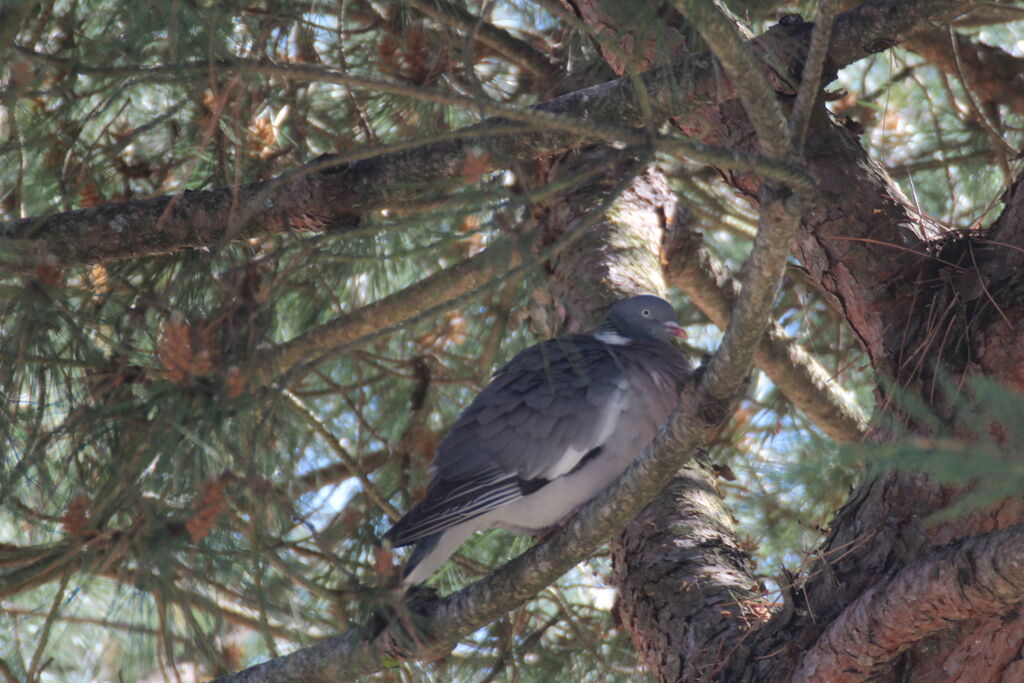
(690, 605)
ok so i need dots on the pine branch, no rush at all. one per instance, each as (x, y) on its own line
(798, 375)
(498, 39)
(813, 68)
(312, 199)
(976, 577)
(749, 74)
(989, 71)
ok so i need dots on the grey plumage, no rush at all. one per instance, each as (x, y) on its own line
(556, 425)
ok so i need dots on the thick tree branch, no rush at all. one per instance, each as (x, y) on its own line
(313, 199)
(990, 72)
(748, 73)
(708, 285)
(498, 39)
(363, 323)
(778, 219)
(883, 524)
(979, 576)
(989, 13)
(1008, 231)
(881, 24)
(334, 193)
(681, 573)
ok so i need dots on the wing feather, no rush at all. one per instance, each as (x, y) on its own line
(552, 401)
(540, 415)
(445, 506)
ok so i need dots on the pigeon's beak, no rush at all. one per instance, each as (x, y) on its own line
(675, 329)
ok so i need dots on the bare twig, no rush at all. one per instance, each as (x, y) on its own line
(338, 472)
(934, 164)
(810, 81)
(351, 463)
(89, 621)
(44, 634)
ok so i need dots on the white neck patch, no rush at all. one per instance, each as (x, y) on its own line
(611, 338)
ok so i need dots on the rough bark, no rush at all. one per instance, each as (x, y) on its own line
(686, 589)
(864, 253)
(620, 256)
(869, 253)
(684, 537)
(979, 577)
(884, 526)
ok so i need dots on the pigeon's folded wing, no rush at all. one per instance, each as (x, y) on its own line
(542, 414)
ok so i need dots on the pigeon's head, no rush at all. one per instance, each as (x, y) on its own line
(639, 316)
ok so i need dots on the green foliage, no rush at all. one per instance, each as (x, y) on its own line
(160, 503)
(974, 446)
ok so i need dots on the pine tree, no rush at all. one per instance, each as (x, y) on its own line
(255, 258)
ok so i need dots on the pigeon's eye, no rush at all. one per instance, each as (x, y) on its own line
(646, 313)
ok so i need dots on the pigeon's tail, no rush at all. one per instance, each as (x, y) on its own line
(420, 552)
(430, 552)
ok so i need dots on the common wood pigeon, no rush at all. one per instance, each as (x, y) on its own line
(556, 425)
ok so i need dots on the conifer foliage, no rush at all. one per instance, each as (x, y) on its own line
(256, 256)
